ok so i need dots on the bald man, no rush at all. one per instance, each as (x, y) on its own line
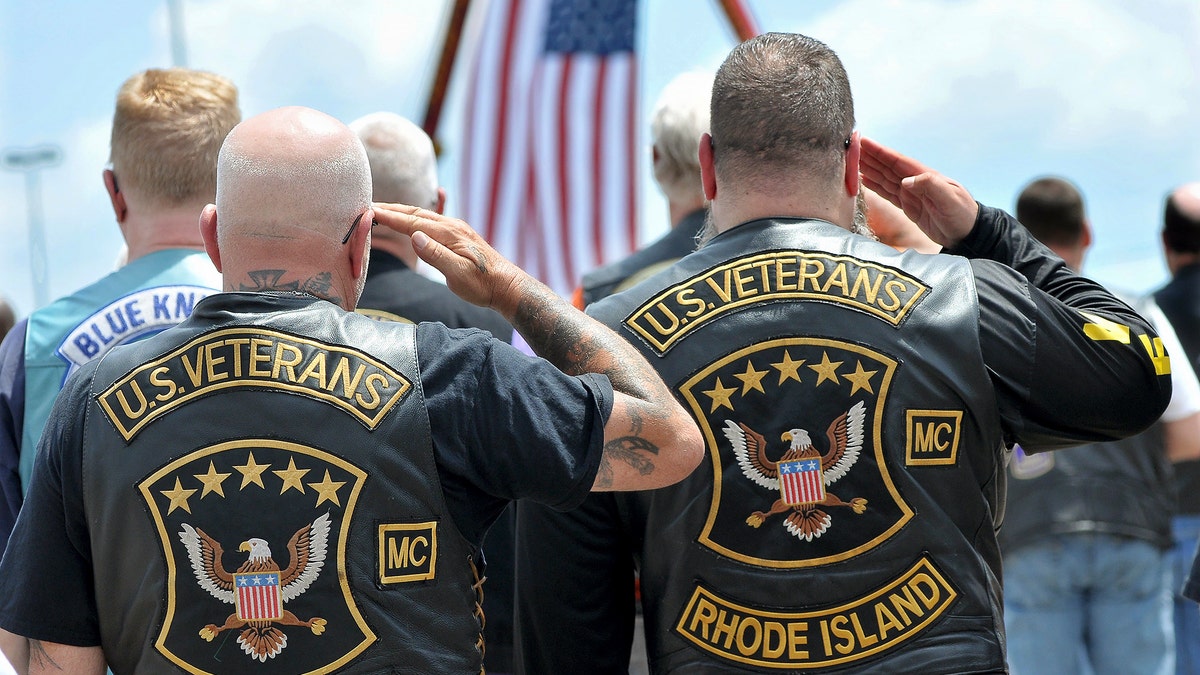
(302, 484)
(1180, 302)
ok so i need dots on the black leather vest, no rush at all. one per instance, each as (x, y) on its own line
(615, 277)
(262, 497)
(845, 518)
(1123, 488)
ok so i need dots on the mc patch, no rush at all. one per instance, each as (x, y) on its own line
(793, 429)
(254, 536)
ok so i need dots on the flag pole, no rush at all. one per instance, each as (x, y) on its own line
(441, 78)
(740, 19)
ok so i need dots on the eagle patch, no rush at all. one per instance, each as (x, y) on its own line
(793, 429)
(253, 533)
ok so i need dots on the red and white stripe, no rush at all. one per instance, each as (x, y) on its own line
(549, 172)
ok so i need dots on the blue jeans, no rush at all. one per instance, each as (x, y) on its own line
(1186, 530)
(1088, 603)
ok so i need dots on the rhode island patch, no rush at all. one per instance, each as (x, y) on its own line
(792, 427)
(254, 534)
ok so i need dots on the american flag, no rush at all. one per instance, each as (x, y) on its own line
(801, 482)
(549, 172)
(258, 596)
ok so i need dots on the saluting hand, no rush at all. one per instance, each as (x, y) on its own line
(942, 208)
(474, 270)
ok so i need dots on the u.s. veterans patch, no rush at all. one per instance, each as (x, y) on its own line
(254, 533)
(793, 428)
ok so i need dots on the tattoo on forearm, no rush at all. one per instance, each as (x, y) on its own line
(320, 285)
(635, 423)
(39, 657)
(604, 475)
(633, 451)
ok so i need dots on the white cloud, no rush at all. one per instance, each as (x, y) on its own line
(366, 55)
(1072, 71)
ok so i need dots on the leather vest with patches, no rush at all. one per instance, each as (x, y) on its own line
(845, 517)
(264, 499)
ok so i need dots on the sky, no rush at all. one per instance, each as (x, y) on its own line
(992, 93)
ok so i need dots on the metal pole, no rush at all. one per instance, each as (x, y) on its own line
(30, 161)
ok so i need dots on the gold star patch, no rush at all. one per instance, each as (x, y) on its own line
(788, 369)
(251, 472)
(291, 476)
(720, 396)
(751, 379)
(327, 490)
(212, 481)
(826, 369)
(179, 497)
(860, 379)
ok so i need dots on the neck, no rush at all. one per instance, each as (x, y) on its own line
(398, 245)
(149, 231)
(261, 267)
(1177, 260)
(682, 208)
(733, 207)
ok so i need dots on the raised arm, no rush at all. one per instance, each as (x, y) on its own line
(649, 440)
(1070, 362)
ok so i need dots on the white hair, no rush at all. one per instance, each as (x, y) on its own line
(680, 117)
(403, 163)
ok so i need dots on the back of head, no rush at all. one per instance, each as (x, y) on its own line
(781, 102)
(167, 130)
(1181, 219)
(1052, 209)
(289, 184)
(680, 117)
(403, 164)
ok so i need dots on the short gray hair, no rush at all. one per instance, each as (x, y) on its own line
(403, 163)
(680, 117)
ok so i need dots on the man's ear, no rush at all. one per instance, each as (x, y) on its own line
(115, 196)
(360, 246)
(441, 201)
(853, 154)
(1085, 236)
(208, 232)
(708, 172)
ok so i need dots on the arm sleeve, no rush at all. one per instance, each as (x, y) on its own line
(574, 577)
(1069, 361)
(512, 425)
(47, 589)
(12, 417)
(1185, 390)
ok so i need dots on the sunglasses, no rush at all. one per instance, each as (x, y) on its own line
(350, 232)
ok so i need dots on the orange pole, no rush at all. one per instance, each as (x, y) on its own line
(740, 19)
(441, 78)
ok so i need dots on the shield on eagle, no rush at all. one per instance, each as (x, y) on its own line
(793, 430)
(254, 533)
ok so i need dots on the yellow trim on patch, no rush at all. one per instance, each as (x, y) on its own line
(421, 536)
(880, 291)
(339, 557)
(925, 440)
(253, 357)
(834, 636)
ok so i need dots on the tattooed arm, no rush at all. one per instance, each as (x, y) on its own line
(649, 441)
(51, 657)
